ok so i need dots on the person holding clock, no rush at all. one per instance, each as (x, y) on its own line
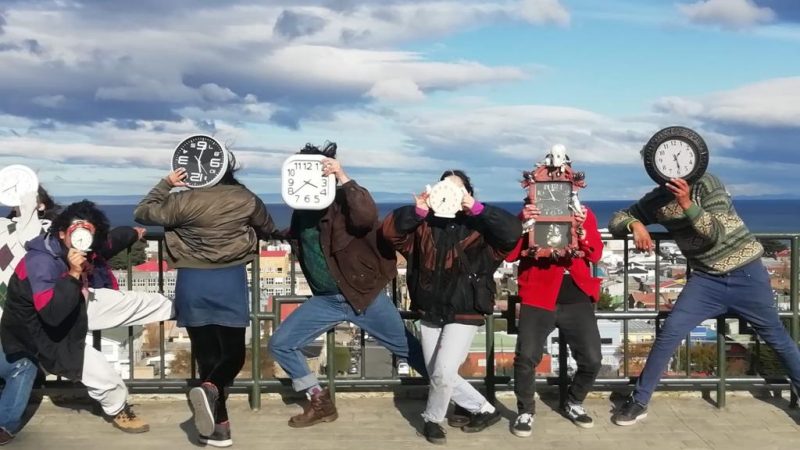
(347, 266)
(727, 274)
(211, 233)
(63, 288)
(453, 245)
(557, 293)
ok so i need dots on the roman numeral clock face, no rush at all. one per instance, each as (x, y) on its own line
(302, 184)
(204, 159)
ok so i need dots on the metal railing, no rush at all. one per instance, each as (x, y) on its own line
(257, 384)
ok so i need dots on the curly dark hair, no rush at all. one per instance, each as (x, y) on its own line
(460, 174)
(328, 150)
(83, 210)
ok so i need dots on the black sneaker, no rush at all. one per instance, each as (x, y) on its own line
(523, 425)
(221, 437)
(630, 413)
(577, 414)
(434, 433)
(481, 421)
(459, 418)
(204, 402)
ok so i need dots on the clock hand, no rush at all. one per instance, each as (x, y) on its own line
(301, 187)
(308, 182)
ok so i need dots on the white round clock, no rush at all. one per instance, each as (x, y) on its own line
(81, 239)
(444, 198)
(302, 184)
(14, 181)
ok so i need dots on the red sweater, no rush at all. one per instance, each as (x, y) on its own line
(540, 279)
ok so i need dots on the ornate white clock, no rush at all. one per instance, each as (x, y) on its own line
(444, 198)
(303, 186)
(14, 181)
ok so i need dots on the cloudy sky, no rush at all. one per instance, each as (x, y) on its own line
(95, 94)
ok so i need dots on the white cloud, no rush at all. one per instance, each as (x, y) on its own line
(768, 103)
(541, 12)
(727, 13)
(49, 101)
(396, 89)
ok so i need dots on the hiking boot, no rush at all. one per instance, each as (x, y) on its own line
(523, 425)
(459, 418)
(577, 414)
(221, 437)
(5, 436)
(127, 421)
(434, 433)
(318, 409)
(630, 413)
(204, 401)
(481, 421)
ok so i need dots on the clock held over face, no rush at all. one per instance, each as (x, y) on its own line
(675, 152)
(16, 180)
(204, 158)
(303, 186)
(444, 198)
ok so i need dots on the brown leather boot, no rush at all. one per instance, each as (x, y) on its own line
(318, 409)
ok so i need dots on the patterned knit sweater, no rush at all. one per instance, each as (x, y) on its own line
(710, 233)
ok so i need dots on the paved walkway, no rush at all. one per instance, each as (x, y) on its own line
(385, 423)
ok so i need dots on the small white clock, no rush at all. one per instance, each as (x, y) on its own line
(14, 181)
(444, 198)
(81, 239)
(302, 184)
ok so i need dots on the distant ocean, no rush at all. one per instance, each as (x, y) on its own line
(763, 216)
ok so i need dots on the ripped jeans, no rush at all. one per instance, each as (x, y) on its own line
(19, 377)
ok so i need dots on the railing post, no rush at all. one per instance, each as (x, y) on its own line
(331, 368)
(489, 380)
(722, 362)
(255, 331)
(794, 290)
(563, 378)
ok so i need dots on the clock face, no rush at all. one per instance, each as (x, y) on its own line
(81, 239)
(302, 184)
(675, 158)
(552, 198)
(204, 159)
(444, 198)
(675, 152)
(552, 234)
(15, 180)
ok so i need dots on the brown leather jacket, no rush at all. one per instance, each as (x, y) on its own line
(359, 260)
(211, 227)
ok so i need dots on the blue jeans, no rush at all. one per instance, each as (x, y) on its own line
(320, 313)
(19, 377)
(745, 291)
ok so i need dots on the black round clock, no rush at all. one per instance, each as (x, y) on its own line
(675, 152)
(204, 158)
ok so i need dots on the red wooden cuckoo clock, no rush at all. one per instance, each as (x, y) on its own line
(553, 187)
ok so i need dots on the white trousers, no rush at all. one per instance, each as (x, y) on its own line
(108, 308)
(445, 349)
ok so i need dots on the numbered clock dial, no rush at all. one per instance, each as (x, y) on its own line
(675, 152)
(204, 158)
(81, 239)
(552, 198)
(302, 184)
(14, 181)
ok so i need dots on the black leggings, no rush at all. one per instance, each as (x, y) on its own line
(220, 354)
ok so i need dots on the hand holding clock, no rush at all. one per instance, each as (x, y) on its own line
(332, 166)
(77, 262)
(467, 202)
(681, 189)
(421, 200)
(176, 177)
(530, 212)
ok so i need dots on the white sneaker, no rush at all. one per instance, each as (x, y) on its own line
(577, 414)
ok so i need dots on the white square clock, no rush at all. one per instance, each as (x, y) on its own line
(302, 184)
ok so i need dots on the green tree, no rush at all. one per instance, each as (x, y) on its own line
(138, 256)
(606, 301)
(702, 358)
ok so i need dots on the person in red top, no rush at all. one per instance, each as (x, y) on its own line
(557, 293)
